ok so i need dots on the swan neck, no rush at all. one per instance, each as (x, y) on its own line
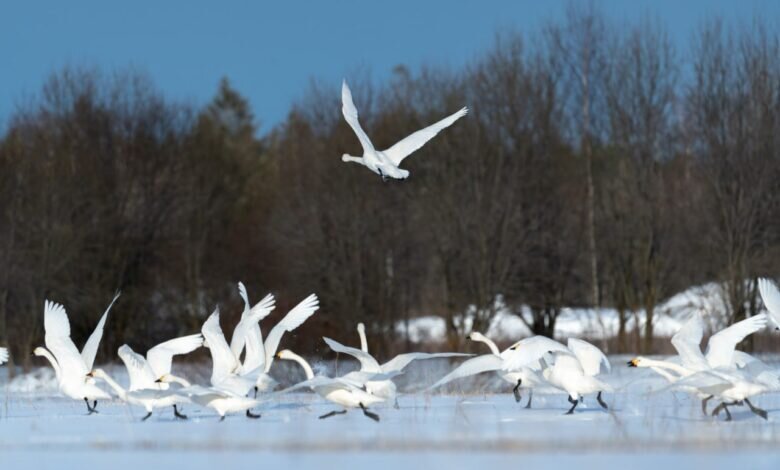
(665, 365)
(179, 380)
(305, 365)
(55, 365)
(484, 339)
(363, 342)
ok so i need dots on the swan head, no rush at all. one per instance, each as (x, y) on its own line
(96, 373)
(636, 362)
(476, 336)
(345, 157)
(361, 327)
(285, 354)
(39, 351)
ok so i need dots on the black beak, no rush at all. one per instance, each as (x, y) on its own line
(631, 364)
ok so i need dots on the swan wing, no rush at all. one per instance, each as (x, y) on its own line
(771, 297)
(473, 366)
(399, 362)
(720, 349)
(703, 381)
(291, 321)
(367, 361)
(91, 347)
(57, 340)
(591, 358)
(528, 351)
(246, 326)
(350, 113)
(160, 357)
(407, 146)
(3, 355)
(687, 343)
(141, 374)
(359, 378)
(225, 363)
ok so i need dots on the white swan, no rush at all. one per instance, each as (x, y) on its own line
(221, 401)
(226, 366)
(336, 390)
(385, 162)
(149, 399)
(260, 354)
(3, 356)
(720, 354)
(70, 366)
(518, 365)
(153, 372)
(566, 371)
(384, 388)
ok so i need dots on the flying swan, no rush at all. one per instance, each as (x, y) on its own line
(385, 162)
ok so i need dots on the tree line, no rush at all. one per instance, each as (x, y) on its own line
(599, 166)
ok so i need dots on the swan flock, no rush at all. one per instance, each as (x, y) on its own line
(243, 379)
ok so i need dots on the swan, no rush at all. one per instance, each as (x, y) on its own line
(566, 371)
(70, 366)
(226, 366)
(149, 399)
(518, 365)
(385, 162)
(720, 353)
(221, 401)
(385, 388)
(153, 372)
(730, 385)
(260, 355)
(3, 356)
(336, 390)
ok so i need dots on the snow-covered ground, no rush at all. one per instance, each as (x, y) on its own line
(586, 322)
(474, 423)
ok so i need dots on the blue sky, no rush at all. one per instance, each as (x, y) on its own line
(270, 50)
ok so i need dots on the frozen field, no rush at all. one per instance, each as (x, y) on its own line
(472, 424)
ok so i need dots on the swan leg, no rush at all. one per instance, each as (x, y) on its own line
(530, 397)
(222, 418)
(723, 407)
(90, 409)
(255, 391)
(177, 414)
(704, 404)
(395, 405)
(601, 402)
(249, 414)
(760, 412)
(574, 404)
(516, 391)
(333, 413)
(370, 414)
(148, 415)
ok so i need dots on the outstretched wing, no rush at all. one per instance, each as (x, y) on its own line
(57, 339)
(367, 361)
(528, 351)
(350, 113)
(247, 332)
(225, 363)
(474, 366)
(720, 349)
(160, 357)
(405, 147)
(399, 362)
(91, 347)
(687, 343)
(291, 321)
(771, 297)
(591, 358)
(3, 355)
(141, 374)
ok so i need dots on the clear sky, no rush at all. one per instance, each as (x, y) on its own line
(270, 50)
